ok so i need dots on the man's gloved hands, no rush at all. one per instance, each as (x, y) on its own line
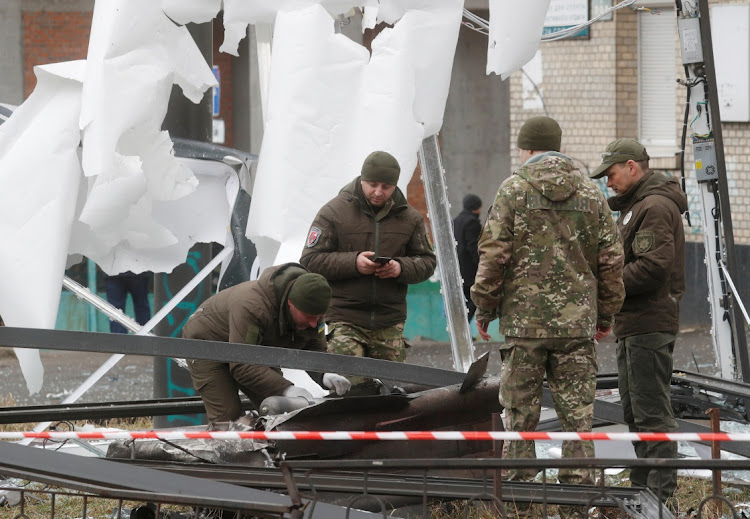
(336, 382)
(298, 391)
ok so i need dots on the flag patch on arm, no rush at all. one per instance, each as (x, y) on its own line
(313, 237)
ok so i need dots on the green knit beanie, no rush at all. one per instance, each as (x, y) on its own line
(381, 166)
(311, 294)
(539, 134)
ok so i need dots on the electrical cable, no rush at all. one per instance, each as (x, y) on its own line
(538, 92)
(571, 31)
(482, 26)
(716, 213)
(682, 145)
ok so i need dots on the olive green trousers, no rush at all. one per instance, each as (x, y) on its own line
(644, 374)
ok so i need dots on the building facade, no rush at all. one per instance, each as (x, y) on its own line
(616, 81)
(620, 81)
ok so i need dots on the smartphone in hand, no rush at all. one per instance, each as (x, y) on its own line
(382, 260)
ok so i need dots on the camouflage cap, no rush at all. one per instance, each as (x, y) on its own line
(311, 294)
(619, 151)
(539, 133)
(381, 166)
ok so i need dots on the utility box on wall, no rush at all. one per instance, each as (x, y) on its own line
(730, 33)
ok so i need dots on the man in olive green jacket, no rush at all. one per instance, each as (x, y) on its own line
(650, 223)
(284, 308)
(370, 244)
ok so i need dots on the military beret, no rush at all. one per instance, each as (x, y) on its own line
(311, 294)
(539, 134)
(618, 152)
(381, 166)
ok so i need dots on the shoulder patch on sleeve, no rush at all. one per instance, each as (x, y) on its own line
(313, 236)
(643, 242)
(254, 335)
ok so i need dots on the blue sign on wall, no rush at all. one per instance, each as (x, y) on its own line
(217, 91)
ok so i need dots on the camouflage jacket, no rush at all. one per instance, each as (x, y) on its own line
(650, 224)
(346, 226)
(255, 312)
(551, 258)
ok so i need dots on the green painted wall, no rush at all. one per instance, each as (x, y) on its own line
(425, 314)
(73, 313)
(424, 306)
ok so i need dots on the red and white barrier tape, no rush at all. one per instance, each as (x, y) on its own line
(370, 435)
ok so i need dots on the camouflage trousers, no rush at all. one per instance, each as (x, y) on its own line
(357, 341)
(570, 365)
(382, 343)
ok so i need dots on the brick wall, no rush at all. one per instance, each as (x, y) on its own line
(578, 87)
(415, 196)
(55, 36)
(626, 76)
(590, 86)
(52, 37)
(737, 157)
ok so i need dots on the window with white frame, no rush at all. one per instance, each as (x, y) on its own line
(657, 93)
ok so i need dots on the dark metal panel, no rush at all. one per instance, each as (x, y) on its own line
(409, 485)
(194, 149)
(107, 476)
(719, 385)
(104, 473)
(418, 464)
(226, 352)
(98, 411)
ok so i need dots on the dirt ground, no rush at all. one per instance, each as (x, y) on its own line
(132, 377)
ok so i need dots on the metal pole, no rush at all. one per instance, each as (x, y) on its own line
(728, 330)
(436, 195)
(740, 339)
(91, 275)
(715, 448)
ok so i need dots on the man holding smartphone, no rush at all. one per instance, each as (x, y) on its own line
(370, 244)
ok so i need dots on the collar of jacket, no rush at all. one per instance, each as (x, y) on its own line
(285, 318)
(395, 204)
(542, 156)
(635, 193)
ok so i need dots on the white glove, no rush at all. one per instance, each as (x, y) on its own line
(337, 382)
(298, 391)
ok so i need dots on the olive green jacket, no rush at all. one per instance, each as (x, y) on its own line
(256, 312)
(346, 226)
(650, 223)
(550, 256)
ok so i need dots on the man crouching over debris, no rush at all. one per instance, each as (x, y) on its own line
(285, 307)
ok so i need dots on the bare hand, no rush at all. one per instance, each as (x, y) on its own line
(392, 269)
(482, 328)
(602, 332)
(364, 264)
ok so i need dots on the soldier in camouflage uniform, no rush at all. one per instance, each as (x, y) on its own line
(550, 268)
(370, 244)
